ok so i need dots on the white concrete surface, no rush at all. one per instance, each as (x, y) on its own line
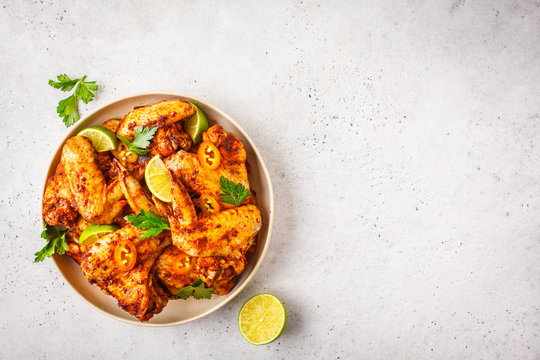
(403, 141)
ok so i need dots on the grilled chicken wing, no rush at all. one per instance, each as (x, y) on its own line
(222, 234)
(176, 269)
(203, 181)
(220, 273)
(96, 201)
(226, 233)
(59, 206)
(133, 191)
(161, 114)
(167, 140)
(170, 135)
(136, 290)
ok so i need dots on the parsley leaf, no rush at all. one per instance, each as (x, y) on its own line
(152, 223)
(56, 240)
(143, 137)
(198, 290)
(84, 90)
(68, 108)
(234, 194)
(64, 83)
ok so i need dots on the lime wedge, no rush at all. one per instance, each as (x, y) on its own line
(157, 179)
(262, 319)
(196, 124)
(94, 232)
(102, 138)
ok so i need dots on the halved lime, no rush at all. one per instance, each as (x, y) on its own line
(94, 232)
(196, 124)
(262, 319)
(102, 138)
(157, 179)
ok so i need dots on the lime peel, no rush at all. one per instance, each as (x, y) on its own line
(196, 124)
(94, 232)
(102, 138)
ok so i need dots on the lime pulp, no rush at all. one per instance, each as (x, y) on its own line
(102, 138)
(94, 232)
(157, 179)
(262, 319)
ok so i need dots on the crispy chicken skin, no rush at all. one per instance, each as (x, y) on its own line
(76, 250)
(183, 210)
(136, 290)
(96, 201)
(161, 114)
(168, 268)
(133, 191)
(168, 139)
(59, 206)
(105, 165)
(203, 181)
(162, 209)
(112, 124)
(226, 233)
(217, 272)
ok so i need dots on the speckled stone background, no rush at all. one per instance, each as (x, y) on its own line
(402, 139)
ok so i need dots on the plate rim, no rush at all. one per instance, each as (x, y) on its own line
(266, 174)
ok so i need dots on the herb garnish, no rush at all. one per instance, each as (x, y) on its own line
(233, 194)
(68, 109)
(198, 290)
(152, 223)
(56, 241)
(143, 137)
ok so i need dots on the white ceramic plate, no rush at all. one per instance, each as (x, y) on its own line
(177, 311)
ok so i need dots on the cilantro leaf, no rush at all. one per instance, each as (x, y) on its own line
(56, 241)
(198, 289)
(143, 137)
(64, 83)
(68, 108)
(152, 223)
(234, 194)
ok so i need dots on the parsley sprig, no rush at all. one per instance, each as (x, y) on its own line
(68, 109)
(143, 137)
(152, 223)
(56, 241)
(198, 290)
(234, 194)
